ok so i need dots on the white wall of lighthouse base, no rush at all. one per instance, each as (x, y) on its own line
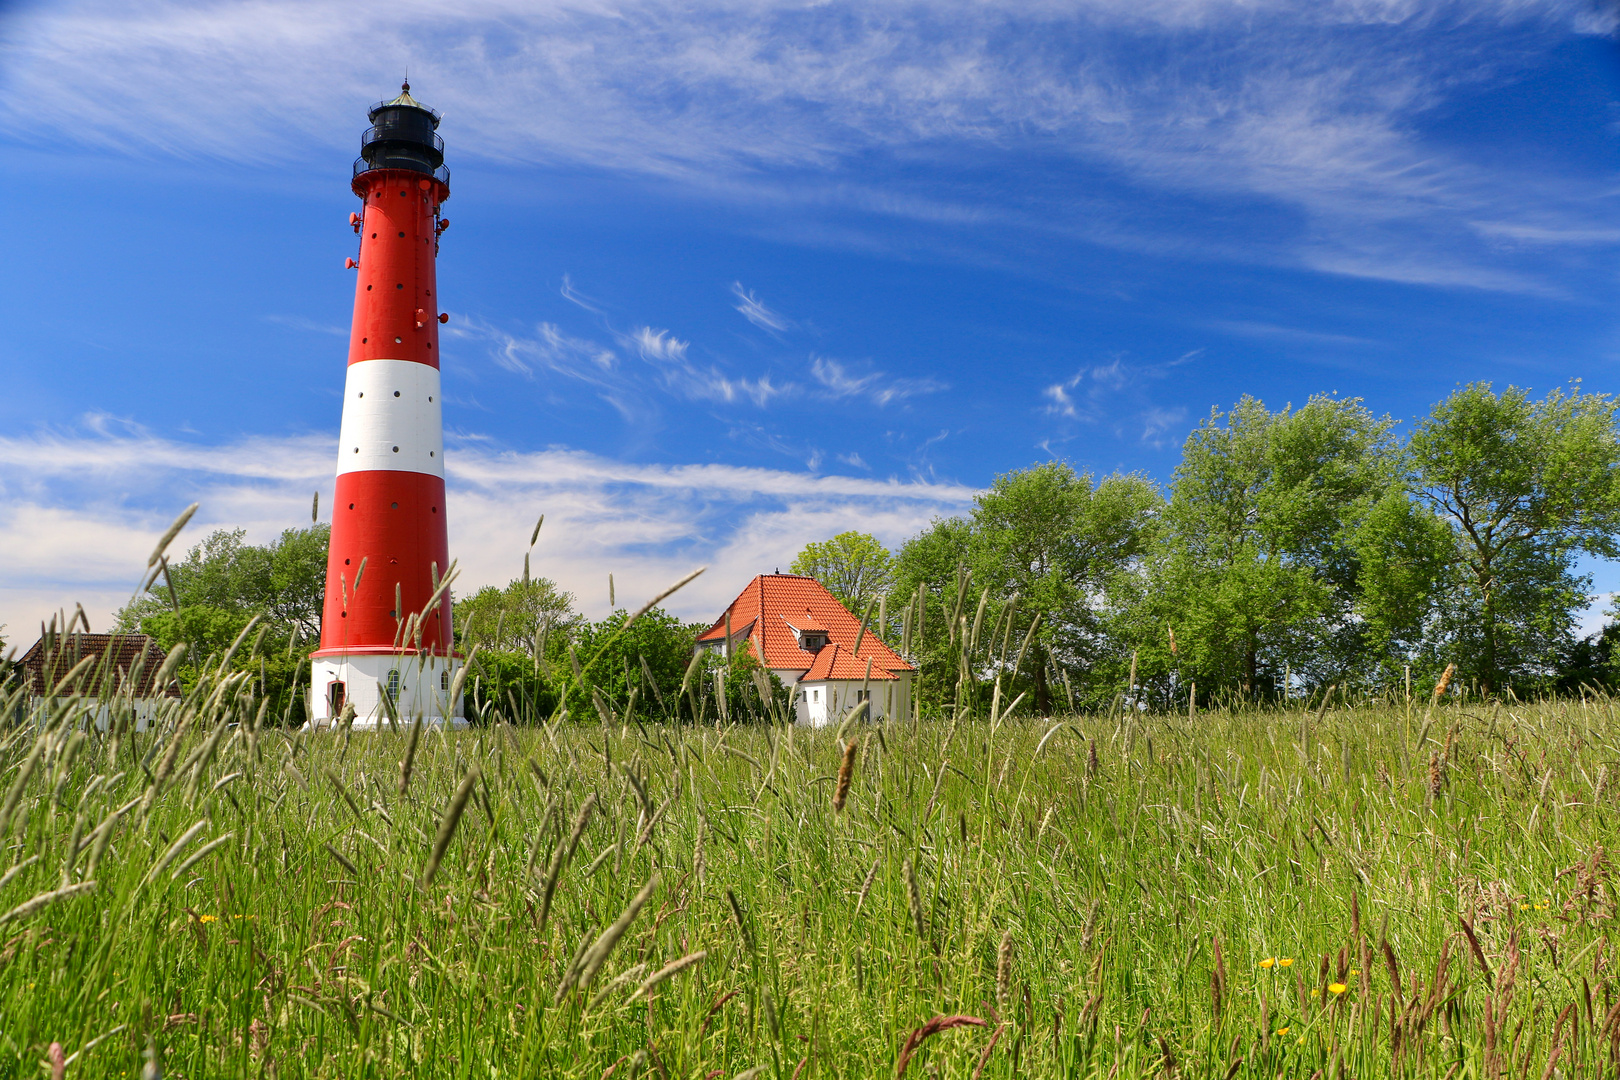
(423, 679)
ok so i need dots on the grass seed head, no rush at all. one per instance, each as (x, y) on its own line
(1004, 959)
(846, 772)
(914, 895)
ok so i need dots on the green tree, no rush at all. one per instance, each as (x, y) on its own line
(853, 566)
(1060, 543)
(220, 586)
(1043, 541)
(1404, 552)
(285, 580)
(510, 685)
(615, 663)
(1593, 662)
(516, 618)
(927, 571)
(738, 686)
(1525, 486)
(1256, 571)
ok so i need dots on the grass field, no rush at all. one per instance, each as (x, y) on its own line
(1364, 892)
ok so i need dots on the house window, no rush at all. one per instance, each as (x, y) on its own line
(392, 687)
(815, 695)
(862, 695)
(814, 642)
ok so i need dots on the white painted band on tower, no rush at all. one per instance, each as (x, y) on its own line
(392, 418)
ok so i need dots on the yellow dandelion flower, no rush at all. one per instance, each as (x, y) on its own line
(1284, 962)
(1300, 1041)
(1337, 988)
(1543, 907)
(207, 918)
(1270, 961)
(1524, 907)
(1282, 1031)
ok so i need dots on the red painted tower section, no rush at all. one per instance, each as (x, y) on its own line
(389, 540)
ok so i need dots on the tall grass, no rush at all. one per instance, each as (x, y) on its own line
(1359, 892)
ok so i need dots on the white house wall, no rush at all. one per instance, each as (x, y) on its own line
(826, 701)
(146, 711)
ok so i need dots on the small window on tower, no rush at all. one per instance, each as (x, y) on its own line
(444, 680)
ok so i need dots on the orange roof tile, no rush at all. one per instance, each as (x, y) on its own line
(837, 662)
(772, 605)
(803, 622)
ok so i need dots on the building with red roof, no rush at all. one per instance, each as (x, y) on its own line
(122, 673)
(814, 644)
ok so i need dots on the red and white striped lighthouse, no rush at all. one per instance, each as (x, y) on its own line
(379, 639)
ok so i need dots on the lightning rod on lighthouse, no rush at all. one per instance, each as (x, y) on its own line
(386, 644)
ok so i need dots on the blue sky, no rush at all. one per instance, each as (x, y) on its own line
(725, 277)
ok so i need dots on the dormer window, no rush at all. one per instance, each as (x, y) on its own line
(814, 642)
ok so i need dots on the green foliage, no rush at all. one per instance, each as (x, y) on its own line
(220, 587)
(1526, 486)
(853, 566)
(285, 580)
(1052, 543)
(508, 686)
(1404, 553)
(616, 662)
(516, 618)
(1255, 568)
(741, 701)
(1593, 663)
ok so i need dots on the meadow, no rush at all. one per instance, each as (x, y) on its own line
(1340, 890)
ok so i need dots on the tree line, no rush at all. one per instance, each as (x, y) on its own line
(524, 639)
(1290, 551)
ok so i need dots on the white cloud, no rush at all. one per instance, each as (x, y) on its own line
(574, 296)
(1064, 401)
(1158, 423)
(1288, 333)
(550, 348)
(1314, 109)
(658, 344)
(1061, 396)
(79, 513)
(299, 322)
(840, 382)
(1116, 395)
(754, 310)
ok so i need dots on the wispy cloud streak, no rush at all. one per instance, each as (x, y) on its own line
(754, 310)
(79, 511)
(840, 381)
(1315, 110)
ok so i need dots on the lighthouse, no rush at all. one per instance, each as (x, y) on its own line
(386, 647)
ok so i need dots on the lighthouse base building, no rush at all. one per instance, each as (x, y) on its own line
(416, 684)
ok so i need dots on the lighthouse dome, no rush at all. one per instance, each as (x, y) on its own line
(402, 136)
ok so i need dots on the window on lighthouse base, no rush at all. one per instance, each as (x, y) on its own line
(392, 686)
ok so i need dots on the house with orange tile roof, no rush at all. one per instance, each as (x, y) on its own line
(122, 674)
(814, 645)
